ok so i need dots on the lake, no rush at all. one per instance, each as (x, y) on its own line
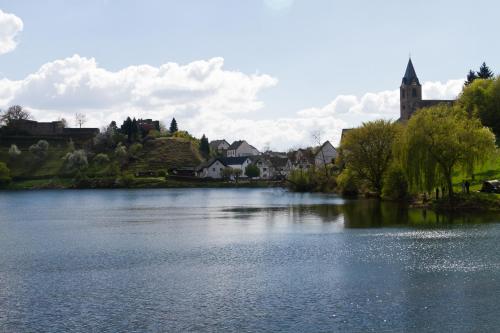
(241, 260)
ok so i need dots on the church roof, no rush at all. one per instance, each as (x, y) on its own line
(410, 74)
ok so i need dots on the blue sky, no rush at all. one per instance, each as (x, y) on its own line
(315, 51)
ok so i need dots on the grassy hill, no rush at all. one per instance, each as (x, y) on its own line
(165, 154)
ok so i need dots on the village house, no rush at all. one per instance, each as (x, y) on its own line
(241, 148)
(219, 146)
(214, 169)
(282, 166)
(325, 154)
(266, 168)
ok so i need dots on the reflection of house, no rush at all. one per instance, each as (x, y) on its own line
(53, 128)
(241, 148)
(219, 146)
(325, 154)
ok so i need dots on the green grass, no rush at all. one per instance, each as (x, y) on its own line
(488, 171)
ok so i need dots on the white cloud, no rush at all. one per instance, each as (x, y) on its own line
(204, 96)
(10, 26)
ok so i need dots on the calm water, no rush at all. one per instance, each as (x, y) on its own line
(242, 261)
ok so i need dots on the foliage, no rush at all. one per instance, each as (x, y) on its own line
(40, 150)
(15, 112)
(227, 173)
(438, 141)
(471, 77)
(130, 129)
(76, 160)
(108, 138)
(135, 149)
(121, 152)
(173, 126)
(395, 183)
(484, 72)
(14, 152)
(252, 171)
(4, 174)
(101, 159)
(204, 146)
(482, 99)
(348, 183)
(367, 151)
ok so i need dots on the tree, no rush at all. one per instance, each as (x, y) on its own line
(204, 146)
(101, 159)
(440, 140)
(63, 121)
(14, 152)
(227, 173)
(76, 161)
(15, 112)
(4, 174)
(40, 150)
(470, 77)
(367, 151)
(80, 119)
(173, 126)
(482, 99)
(126, 129)
(252, 171)
(484, 72)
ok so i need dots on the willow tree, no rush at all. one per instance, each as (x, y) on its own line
(366, 151)
(441, 140)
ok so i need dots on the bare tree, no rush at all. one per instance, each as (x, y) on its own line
(316, 135)
(15, 112)
(80, 119)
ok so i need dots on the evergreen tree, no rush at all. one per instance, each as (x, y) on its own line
(126, 128)
(470, 77)
(204, 146)
(484, 72)
(135, 130)
(173, 126)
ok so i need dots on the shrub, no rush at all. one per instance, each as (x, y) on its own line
(101, 159)
(40, 150)
(162, 173)
(76, 161)
(135, 149)
(252, 171)
(126, 180)
(302, 180)
(121, 151)
(4, 174)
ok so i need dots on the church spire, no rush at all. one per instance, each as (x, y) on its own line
(410, 75)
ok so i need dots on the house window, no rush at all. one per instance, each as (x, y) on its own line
(414, 92)
(213, 169)
(265, 169)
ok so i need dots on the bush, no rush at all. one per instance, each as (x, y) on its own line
(252, 171)
(162, 173)
(395, 183)
(135, 149)
(121, 151)
(4, 174)
(101, 159)
(40, 150)
(76, 161)
(14, 152)
(126, 180)
(302, 180)
(348, 183)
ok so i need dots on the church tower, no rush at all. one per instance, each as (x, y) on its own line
(410, 93)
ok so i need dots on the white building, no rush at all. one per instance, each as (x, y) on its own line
(326, 154)
(219, 146)
(238, 163)
(241, 148)
(212, 169)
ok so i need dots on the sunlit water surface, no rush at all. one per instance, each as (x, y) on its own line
(241, 260)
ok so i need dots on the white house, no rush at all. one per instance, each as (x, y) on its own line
(237, 163)
(241, 148)
(219, 146)
(325, 154)
(212, 169)
(265, 167)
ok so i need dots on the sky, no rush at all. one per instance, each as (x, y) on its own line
(272, 72)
